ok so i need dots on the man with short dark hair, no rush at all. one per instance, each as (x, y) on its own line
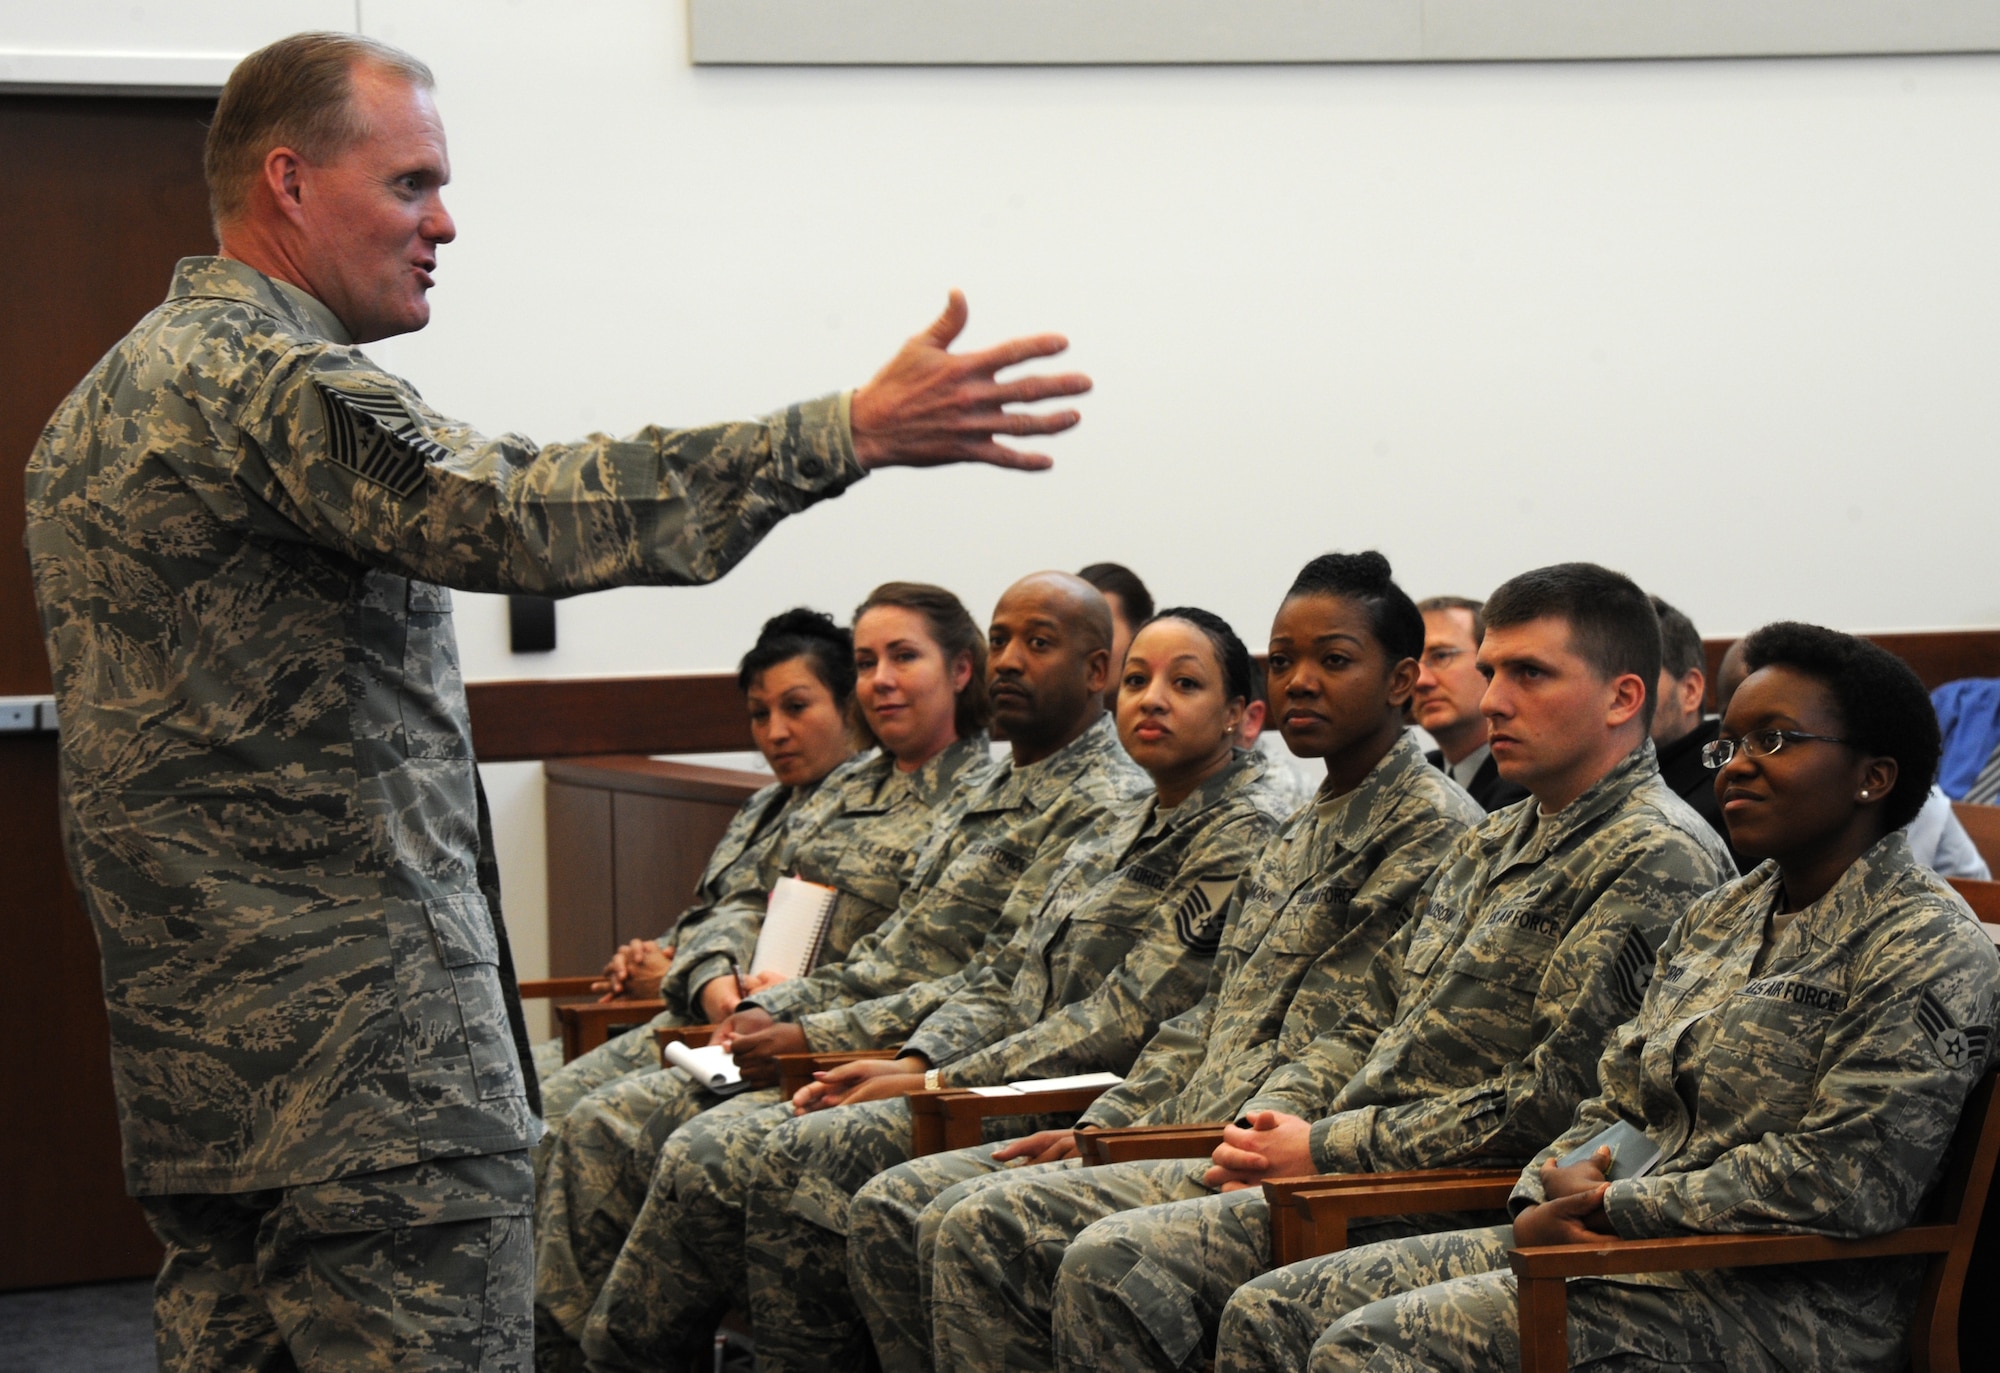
(242, 532)
(1680, 728)
(1446, 701)
(1131, 606)
(1534, 939)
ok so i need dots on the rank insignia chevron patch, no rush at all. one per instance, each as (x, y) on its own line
(1634, 969)
(372, 434)
(1198, 922)
(1956, 1046)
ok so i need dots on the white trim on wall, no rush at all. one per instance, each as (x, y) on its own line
(1106, 32)
(116, 47)
(116, 73)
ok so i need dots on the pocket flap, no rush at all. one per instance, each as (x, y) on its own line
(464, 930)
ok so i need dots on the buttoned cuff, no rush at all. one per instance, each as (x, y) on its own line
(700, 974)
(818, 451)
(1625, 1207)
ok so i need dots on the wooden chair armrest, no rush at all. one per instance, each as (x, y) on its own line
(587, 1024)
(796, 1070)
(1682, 1253)
(694, 1036)
(1310, 1215)
(954, 1117)
(538, 988)
(1147, 1141)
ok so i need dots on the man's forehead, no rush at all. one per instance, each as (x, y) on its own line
(1544, 638)
(1453, 622)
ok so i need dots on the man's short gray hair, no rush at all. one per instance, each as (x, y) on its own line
(296, 93)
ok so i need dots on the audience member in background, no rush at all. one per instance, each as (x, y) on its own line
(1937, 839)
(1446, 701)
(1283, 774)
(1338, 882)
(1680, 729)
(1802, 1057)
(1048, 655)
(1480, 1033)
(916, 666)
(798, 682)
(1131, 606)
(1124, 937)
(1968, 713)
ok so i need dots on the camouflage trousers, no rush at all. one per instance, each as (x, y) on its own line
(681, 1265)
(421, 1268)
(1446, 1301)
(796, 1227)
(565, 1084)
(1002, 1242)
(591, 1182)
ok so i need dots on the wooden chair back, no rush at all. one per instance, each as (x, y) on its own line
(1948, 1237)
(1982, 827)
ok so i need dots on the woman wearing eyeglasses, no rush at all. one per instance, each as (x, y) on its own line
(1800, 1061)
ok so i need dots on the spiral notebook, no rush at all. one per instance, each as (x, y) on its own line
(795, 924)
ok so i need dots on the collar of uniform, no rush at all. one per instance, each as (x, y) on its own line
(936, 779)
(224, 278)
(1533, 835)
(1350, 817)
(1039, 784)
(1848, 903)
(1244, 768)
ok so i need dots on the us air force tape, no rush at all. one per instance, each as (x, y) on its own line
(1198, 922)
(373, 435)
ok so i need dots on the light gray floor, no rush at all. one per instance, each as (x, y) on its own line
(96, 1328)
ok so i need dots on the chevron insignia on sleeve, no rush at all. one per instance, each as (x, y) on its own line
(373, 435)
(1955, 1045)
(1634, 967)
(1198, 922)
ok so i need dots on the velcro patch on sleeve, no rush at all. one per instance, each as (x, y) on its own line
(1957, 1046)
(1633, 968)
(373, 435)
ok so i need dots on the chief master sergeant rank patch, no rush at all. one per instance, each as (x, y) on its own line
(372, 434)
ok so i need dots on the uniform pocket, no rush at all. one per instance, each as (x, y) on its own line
(470, 953)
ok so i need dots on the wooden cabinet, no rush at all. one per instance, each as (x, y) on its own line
(628, 837)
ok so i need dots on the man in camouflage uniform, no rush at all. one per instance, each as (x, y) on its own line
(1049, 651)
(241, 532)
(1298, 934)
(1532, 941)
(1806, 1080)
(1125, 935)
(861, 834)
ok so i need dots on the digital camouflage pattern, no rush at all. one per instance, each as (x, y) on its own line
(241, 532)
(1300, 931)
(752, 830)
(1815, 1091)
(906, 968)
(860, 832)
(1447, 1301)
(1012, 830)
(1529, 946)
(1306, 925)
(1125, 934)
(426, 1266)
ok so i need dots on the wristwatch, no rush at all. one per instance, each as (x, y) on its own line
(933, 1079)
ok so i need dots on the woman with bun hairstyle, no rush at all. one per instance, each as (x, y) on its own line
(1799, 1063)
(918, 668)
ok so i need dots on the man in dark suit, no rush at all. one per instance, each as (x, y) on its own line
(1446, 701)
(1679, 726)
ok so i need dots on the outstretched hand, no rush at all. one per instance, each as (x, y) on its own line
(930, 406)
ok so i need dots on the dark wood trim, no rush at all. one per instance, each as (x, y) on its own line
(571, 717)
(1936, 655)
(658, 777)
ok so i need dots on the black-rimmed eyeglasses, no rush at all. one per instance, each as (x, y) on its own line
(1758, 743)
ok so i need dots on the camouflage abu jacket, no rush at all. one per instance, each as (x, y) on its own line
(859, 834)
(1011, 835)
(753, 832)
(1124, 937)
(1531, 944)
(241, 531)
(1816, 1093)
(1336, 882)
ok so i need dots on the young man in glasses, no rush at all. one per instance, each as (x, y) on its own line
(1531, 943)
